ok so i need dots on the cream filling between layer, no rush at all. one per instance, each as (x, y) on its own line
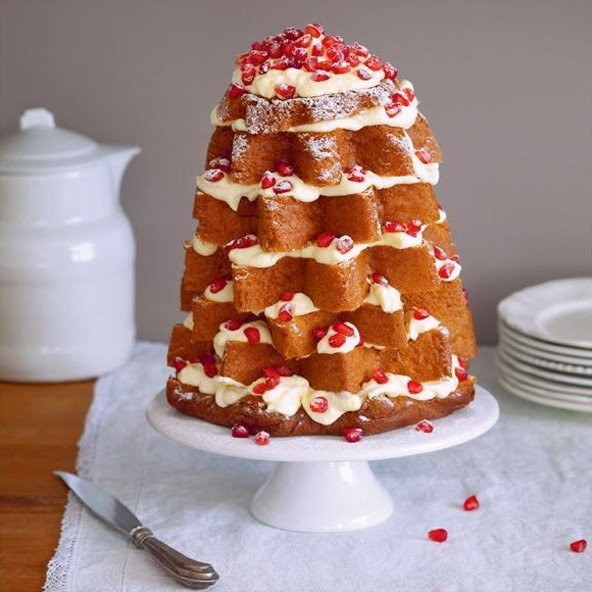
(294, 392)
(225, 335)
(372, 116)
(300, 305)
(387, 297)
(415, 327)
(351, 341)
(230, 192)
(255, 256)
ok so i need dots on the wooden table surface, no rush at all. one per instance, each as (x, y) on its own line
(39, 428)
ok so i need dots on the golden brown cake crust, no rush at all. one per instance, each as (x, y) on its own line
(377, 415)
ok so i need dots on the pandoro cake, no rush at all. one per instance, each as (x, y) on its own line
(322, 287)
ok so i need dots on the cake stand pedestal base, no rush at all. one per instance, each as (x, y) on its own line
(322, 497)
(323, 483)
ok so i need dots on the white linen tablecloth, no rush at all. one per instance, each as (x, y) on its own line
(532, 473)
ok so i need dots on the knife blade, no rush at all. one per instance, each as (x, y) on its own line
(102, 504)
(189, 572)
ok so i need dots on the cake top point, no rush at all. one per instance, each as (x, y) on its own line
(306, 63)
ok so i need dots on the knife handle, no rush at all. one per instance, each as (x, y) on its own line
(189, 572)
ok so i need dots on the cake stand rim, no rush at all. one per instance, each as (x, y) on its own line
(460, 427)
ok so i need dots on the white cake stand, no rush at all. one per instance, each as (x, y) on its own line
(323, 483)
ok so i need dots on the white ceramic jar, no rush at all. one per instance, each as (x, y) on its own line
(67, 255)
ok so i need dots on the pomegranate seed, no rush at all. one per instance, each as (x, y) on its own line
(248, 74)
(342, 328)
(220, 163)
(275, 50)
(324, 65)
(421, 313)
(258, 56)
(285, 313)
(213, 175)
(320, 77)
(335, 54)
(319, 405)
(352, 435)
(245, 242)
(242, 59)
(284, 169)
(579, 546)
(179, 364)
(268, 180)
(360, 50)
(300, 54)
(391, 226)
(272, 382)
(423, 155)
(471, 503)
(314, 29)
(392, 109)
(252, 334)
(303, 41)
(234, 324)
(337, 340)
(356, 174)
(462, 363)
(364, 73)
(285, 91)
(466, 295)
(282, 187)
(390, 72)
(316, 49)
(373, 63)
(409, 94)
(218, 285)
(292, 33)
(319, 333)
(361, 342)
(270, 371)
(424, 426)
(380, 376)
(353, 60)
(439, 535)
(341, 67)
(239, 431)
(310, 64)
(344, 244)
(287, 296)
(379, 279)
(461, 374)
(235, 91)
(414, 387)
(257, 46)
(288, 49)
(331, 40)
(325, 239)
(281, 64)
(413, 227)
(210, 370)
(446, 270)
(440, 253)
(262, 438)
(400, 99)
(264, 68)
(455, 258)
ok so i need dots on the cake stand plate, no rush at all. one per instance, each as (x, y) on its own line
(323, 483)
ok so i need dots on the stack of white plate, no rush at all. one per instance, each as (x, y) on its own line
(545, 351)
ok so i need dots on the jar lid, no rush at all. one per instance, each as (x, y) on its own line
(41, 147)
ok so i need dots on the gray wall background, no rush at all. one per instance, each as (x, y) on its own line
(506, 86)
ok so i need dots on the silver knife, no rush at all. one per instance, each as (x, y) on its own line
(189, 572)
